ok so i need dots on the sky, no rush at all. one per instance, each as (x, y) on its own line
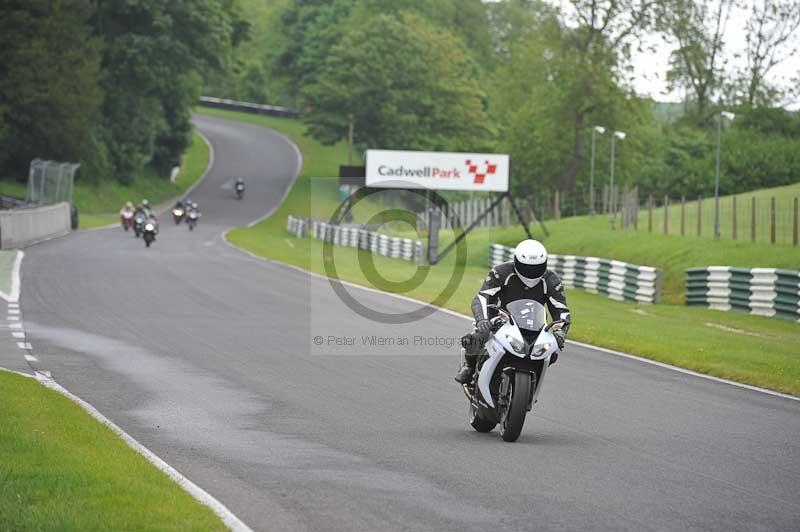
(651, 68)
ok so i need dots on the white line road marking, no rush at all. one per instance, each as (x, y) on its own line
(31, 358)
(13, 310)
(13, 318)
(13, 297)
(18, 334)
(13, 305)
(464, 316)
(24, 345)
(15, 326)
(227, 517)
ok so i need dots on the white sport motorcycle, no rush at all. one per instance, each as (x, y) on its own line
(511, 368)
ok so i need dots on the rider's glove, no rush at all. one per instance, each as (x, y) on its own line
(484, 327)
(560, 338)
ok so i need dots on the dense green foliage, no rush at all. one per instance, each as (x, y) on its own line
(108, 83)
(544, 77)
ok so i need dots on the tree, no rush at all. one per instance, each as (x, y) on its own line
(696, 65)
(154, 52)
(770, 30)
(601, 43)
(403, 83)
(49, 94)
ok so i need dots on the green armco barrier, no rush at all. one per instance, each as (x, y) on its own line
(771, 292)
(618, 280)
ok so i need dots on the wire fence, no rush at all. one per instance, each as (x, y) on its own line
(50, 182)
(771, 219)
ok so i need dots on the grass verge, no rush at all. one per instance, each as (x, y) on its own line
(62, 470)
(751, 349)
(7, 259)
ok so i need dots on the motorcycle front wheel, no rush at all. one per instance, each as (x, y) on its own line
(478, 423)
(519, 393)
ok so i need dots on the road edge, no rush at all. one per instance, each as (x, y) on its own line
(220, 510)
(13, 296)
(464, 316)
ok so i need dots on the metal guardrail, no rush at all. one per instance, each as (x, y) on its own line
(357, 237)
(257, 108)
(618, 280)
(768, 292)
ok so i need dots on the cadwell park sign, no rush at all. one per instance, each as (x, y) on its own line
(477, 172)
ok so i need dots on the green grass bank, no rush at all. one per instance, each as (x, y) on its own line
(750, 349)
(62, 470)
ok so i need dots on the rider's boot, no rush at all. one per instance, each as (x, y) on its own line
(464, 375)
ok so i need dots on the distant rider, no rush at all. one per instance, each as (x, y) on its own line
(145, 209)
(126, 209)
(526, 277)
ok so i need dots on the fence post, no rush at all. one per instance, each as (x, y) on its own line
(650, 213)
(528, 212)
(636, 208)
(699, 216)
(605, 199)
(557, 205)
(666, 214)
(753, 219)
(683, 215)
(734, 217)
(794, 223)
(772, 220)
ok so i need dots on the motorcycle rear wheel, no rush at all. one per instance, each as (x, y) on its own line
(478, 423)
(511, 427)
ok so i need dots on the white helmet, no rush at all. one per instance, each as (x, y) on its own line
(530, 261)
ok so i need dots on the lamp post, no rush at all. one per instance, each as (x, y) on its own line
(601, 130)
(730, 116)
(613, 211)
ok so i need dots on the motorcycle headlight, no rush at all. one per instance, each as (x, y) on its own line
(149, 227)
(517, 344)
(178, 212)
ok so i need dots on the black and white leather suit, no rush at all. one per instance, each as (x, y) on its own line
(502, 286)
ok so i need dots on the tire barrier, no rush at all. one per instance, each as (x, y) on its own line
(296, 226)
(247, 107)
(618, 280)
(356, 237)
(761, 291)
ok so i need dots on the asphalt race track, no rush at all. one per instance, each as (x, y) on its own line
(205, 355)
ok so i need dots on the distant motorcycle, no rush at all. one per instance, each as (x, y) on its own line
(191, 219)
(138, 224)
(149, 231)
(239, 189)
(177, 214)
(126, 219)
(511, 369)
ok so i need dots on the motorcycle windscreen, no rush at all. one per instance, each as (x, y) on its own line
(527, 314)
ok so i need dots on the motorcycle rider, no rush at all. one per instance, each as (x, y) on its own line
(126, 209)
(145, 209)
(525, 277)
